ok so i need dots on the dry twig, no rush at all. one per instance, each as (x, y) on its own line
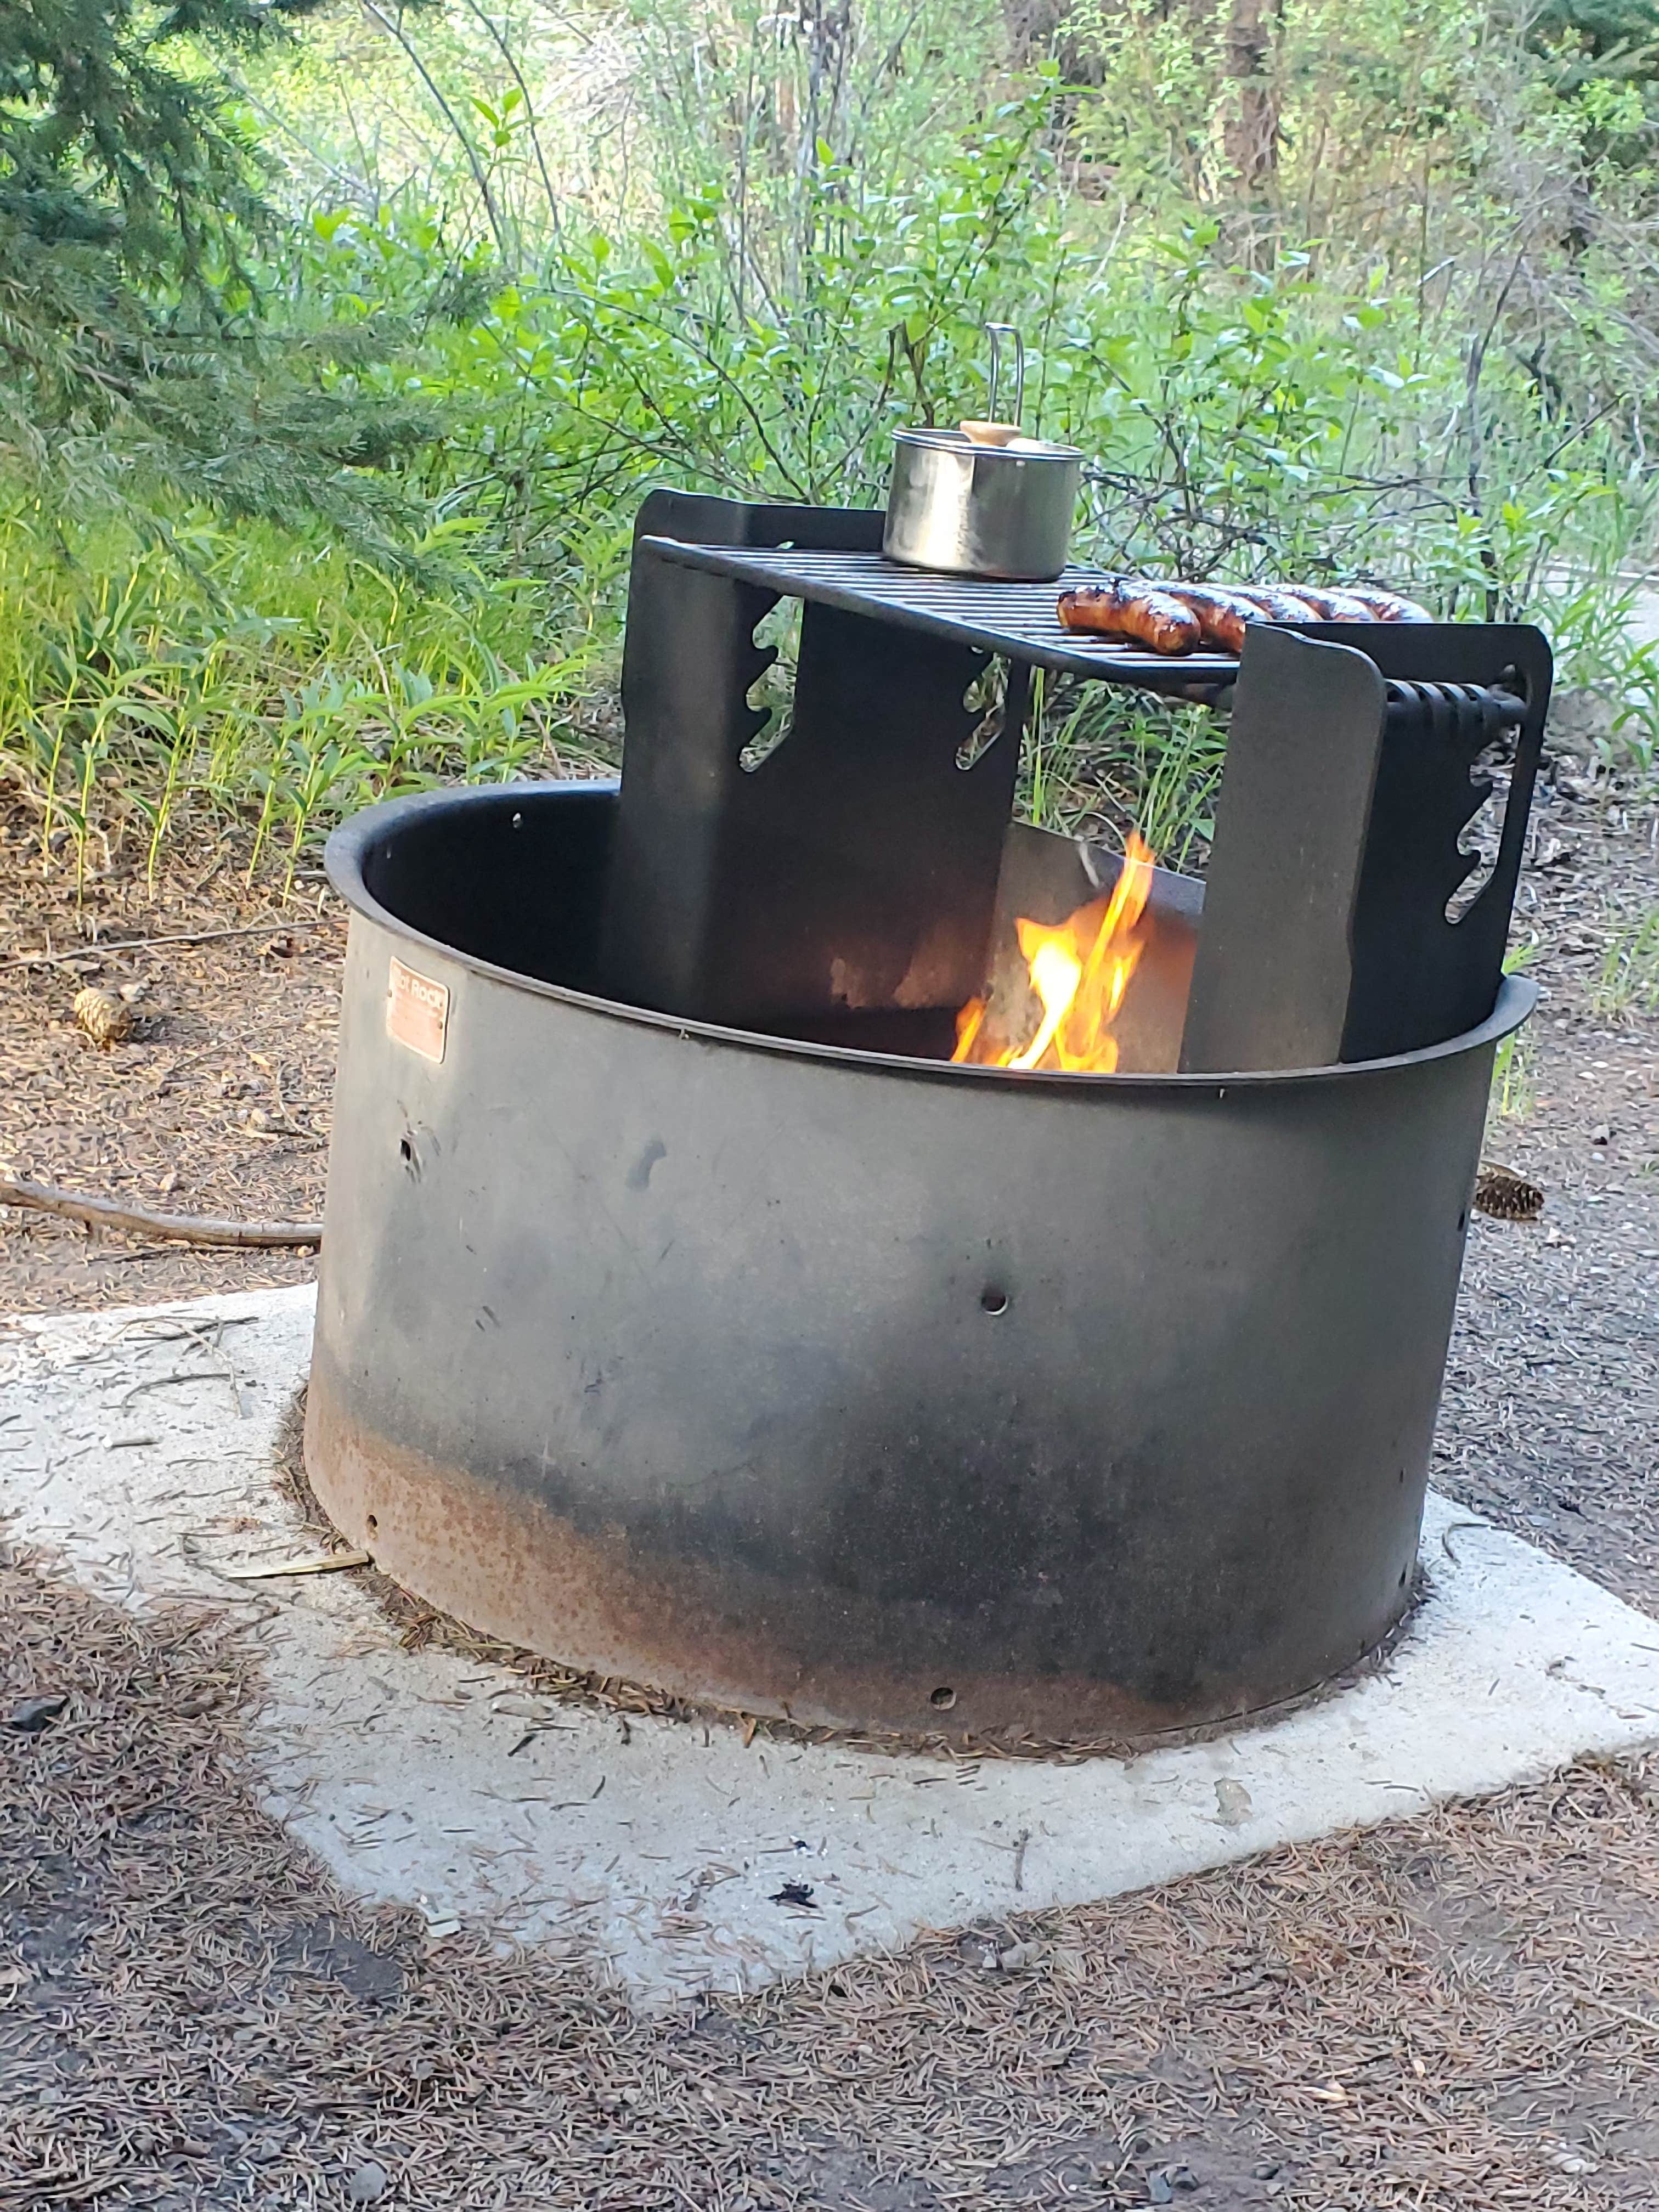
(95, 946)
(141, 1221)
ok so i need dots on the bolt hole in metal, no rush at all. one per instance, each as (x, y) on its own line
(993, 1300)
(943, 1697)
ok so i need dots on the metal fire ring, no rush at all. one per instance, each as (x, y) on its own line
(854, 1387)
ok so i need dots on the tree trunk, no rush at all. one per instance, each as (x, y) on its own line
(1251, 135)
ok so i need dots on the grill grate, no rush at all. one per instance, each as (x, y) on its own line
(857, 865)
(1017, 620)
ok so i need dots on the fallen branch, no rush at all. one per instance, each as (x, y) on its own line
(96, 947)
(178, 1228)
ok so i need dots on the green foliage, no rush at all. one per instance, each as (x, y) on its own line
(1629, 981)
(1098, 762)
(1245, 422)
(1418, 344)
(1514, 1088)
(1606, 42)
(265, 680)
(135, 357)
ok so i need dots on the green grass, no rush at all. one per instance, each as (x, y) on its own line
(238, 673)
(1099, 762)
(1629, 980)
(1514, 1085)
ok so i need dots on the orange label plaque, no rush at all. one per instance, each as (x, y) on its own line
(417, 1010)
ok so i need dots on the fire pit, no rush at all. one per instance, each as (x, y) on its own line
(785, 1364)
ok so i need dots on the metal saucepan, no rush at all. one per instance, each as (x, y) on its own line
(983, 500)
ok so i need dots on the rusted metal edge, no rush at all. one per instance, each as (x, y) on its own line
(502, 1567)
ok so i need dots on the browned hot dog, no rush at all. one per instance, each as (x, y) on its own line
(1128, 609)
(1334, 606)
(1388, 606)
(1222, 614)
(1276, 603)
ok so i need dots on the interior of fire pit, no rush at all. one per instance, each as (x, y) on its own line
(521, 884)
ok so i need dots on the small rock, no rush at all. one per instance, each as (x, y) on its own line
(132, 993)
(1570, 2162)
(105, 1018)
(1015, 1956)
(35, 1714)
(1233, 1802)
(1158, 2190)
(368, 2183)
(1265, 2169)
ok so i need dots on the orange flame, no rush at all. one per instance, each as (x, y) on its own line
(1080, 972)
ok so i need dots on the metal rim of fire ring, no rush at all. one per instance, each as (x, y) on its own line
(349, 847)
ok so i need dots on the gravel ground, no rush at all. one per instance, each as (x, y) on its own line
(1449, 2012)
(1550, 1422)
(219, 1104)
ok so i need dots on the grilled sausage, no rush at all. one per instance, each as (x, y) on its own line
(1275, 604)
(1335, 606)
(1222, 614)
(1129, 609)
(1388, 606)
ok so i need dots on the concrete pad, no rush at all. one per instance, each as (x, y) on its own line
(137, 1447)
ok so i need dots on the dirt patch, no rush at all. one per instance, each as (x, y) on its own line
(217, 1104)
(1550, 1422)
(1454, 2010)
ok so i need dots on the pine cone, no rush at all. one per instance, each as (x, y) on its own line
(1506, 1195)
(105, 1018)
